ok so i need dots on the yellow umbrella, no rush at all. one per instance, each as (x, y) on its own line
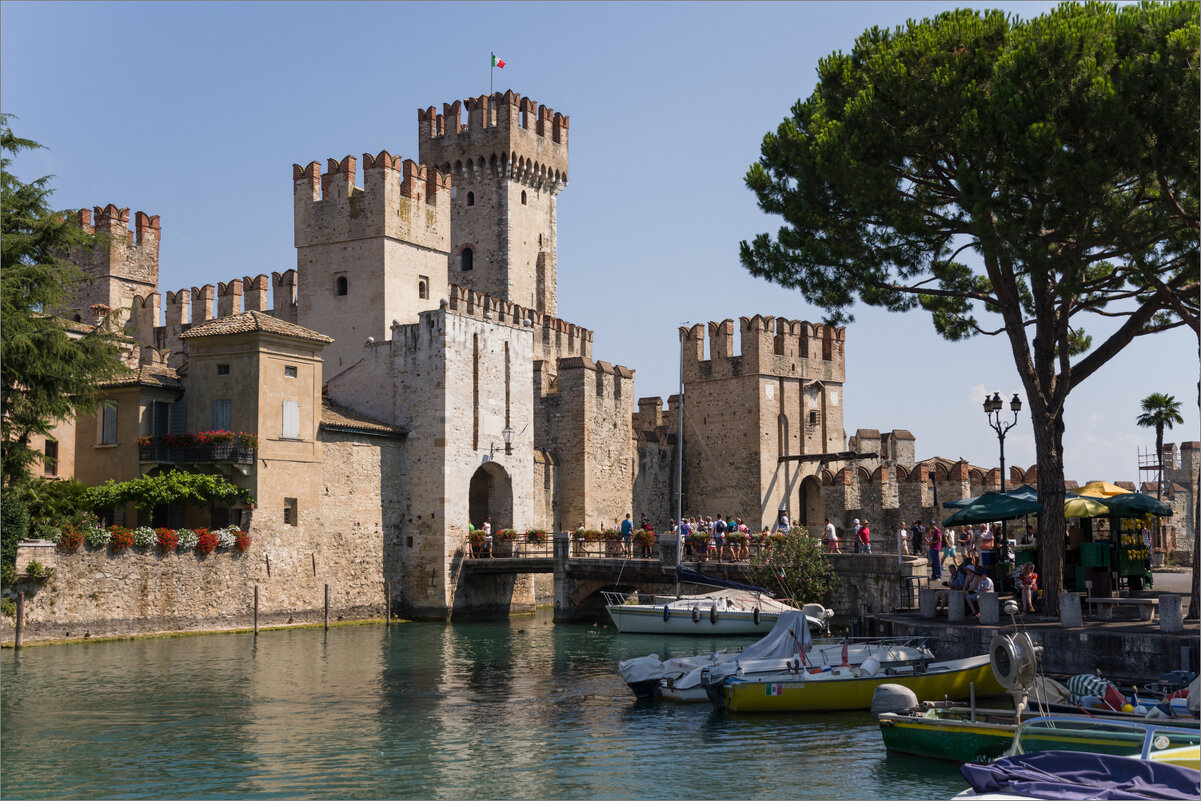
(1101, 489)
(1084, 507)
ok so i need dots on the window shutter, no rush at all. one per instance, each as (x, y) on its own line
(221, 414)
(179, 416)
(109, 433)
(291, 420)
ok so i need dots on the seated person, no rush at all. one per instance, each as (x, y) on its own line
(1028, 586)
(958, 582)
(977, 586)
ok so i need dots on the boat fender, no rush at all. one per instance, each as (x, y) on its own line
(666, 613)
(869, 667)
(895, 698)
(713, 615)
(757, 617)
(696, 615)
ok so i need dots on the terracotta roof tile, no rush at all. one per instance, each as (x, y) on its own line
(249, 322)
(146, 376)
(338, 417)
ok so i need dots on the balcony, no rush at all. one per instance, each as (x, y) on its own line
(225, 450)
(161, 453)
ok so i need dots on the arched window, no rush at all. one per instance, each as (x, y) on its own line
(340, 288)
(468, 261)
(77, 318)
(423, 291)
(471, 198)
(523, 197)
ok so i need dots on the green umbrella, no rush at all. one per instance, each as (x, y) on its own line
(993, 506)
(1134, 504)
(1024, 492)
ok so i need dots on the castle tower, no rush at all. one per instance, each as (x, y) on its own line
(122, 266)
(507, 166)
(778, 393)
(366, 256)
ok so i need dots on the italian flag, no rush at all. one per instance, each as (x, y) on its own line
(498, 62)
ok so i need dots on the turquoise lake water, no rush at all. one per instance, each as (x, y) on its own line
(512, 709)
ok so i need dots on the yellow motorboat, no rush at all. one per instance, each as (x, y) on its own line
(804, 689)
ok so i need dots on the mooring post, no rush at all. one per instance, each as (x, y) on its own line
(256, 610)
(327, 607)
(20, 635)
(387, 602)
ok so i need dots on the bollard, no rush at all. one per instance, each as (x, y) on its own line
(926, 599)
(990, 609)
(327, 607)
(256, 610)
(1171, 614)
(1070, 614)
(20, 635)
(387, 602)
(956, 601)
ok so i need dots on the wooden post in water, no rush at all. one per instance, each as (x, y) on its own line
(327, 607)
(387, 602)
(256, 610)
(20, 635)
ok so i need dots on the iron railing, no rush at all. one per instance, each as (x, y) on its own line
(234, 452)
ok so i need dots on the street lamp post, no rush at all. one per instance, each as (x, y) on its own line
(992, 408)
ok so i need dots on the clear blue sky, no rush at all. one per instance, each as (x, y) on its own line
(196, 112)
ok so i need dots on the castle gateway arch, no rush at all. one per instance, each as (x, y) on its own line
(491, 495)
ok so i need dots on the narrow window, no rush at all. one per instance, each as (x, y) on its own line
(160, 418)
(523, 197)
(108, 423)
(600, 384)
(50, 462)
(291, 512)
(289, 371)
(813, 418)
(221, 414)
(508, 375)
(468, 261)
(223, 369)
(77, 318)
(471, 198)
(423, 287)
(291, 427)
(340, 287)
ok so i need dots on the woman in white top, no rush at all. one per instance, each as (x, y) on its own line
(903, 540)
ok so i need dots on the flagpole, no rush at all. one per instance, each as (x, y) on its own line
(491, 69)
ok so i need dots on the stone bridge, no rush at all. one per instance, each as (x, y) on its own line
(867, 583)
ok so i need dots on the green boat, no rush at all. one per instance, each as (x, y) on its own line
(950, 733)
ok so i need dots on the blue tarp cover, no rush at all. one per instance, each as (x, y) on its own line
(1072, 775)
(694, 577)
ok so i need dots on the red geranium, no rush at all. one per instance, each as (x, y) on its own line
(120, 538)
(71, 539)
(241, 541)
(168, 540)
(206, 541)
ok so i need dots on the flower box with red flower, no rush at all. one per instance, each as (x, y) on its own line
(536, 536)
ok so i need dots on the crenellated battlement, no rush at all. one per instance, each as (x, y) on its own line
(123, 262)
(775, 346)
(399, 198)
(553, 338)
(506, 135)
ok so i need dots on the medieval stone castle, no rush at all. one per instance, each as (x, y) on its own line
(412, 375)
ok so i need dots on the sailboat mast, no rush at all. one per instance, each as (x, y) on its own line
(680, 465)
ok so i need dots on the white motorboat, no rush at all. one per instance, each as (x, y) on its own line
(679, 679)
(723, 612)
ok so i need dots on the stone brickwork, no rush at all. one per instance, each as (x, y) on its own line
(370, 256)
(122, 265)
(508, 163)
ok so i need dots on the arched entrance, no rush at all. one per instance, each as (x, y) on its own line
(813, 503)
(491, 495)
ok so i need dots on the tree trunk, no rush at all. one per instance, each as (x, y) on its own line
(1194, 604)
(1052, 539)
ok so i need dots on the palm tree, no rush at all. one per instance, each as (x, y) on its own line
(1159, 412)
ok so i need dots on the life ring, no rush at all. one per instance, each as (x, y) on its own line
(713, 615)
(696, 615)
(1013, 660)
(666, 613)
(757, 616)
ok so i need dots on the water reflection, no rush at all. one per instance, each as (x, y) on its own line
(417, 710)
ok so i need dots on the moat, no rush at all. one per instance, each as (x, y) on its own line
(511, 709)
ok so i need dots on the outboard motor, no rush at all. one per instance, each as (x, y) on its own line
(893, 698)
(714, 688)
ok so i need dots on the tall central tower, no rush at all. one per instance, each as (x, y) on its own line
(507, 166)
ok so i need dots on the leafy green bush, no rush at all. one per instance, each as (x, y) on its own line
(38, 571)
(793, 566)
(147, 492)
(8, 607)
(14, 527)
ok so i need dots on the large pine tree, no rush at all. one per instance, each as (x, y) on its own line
(47, 373)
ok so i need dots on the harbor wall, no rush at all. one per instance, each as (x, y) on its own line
(1120, 653)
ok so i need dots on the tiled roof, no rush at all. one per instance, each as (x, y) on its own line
(77, 327)
(146, 376)
(339, 418)
(249, 322)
